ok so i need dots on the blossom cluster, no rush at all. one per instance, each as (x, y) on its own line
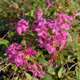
(51, 33)
(19, 57)
(36, 69)
(51, 36)
(21, 26)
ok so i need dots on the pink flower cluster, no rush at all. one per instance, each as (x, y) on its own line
(36, 69)
(29, 51)
(19, 57)
(51, 36)
(21, 26)
(51, 33)
(16, 55)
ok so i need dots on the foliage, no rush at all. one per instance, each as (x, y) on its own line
(64, 66)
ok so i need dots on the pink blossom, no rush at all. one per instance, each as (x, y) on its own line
(34, 68)
(48, 1)
(21, 26)
(50, 48)
(39, 13)
(41, 74)
(19, 58)
(29, 51)
(47, 27)
(13, 49)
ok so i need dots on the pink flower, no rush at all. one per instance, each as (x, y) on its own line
(13, 49)
(34, 68)
(19, 58)
(21, 26)
(50, 48)
(41, 74)
(15, 55)
(29, 51)
(39, 13)
(48, 1)
(35, 74)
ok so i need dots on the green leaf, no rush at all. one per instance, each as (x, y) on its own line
(39, 53)
(23, 42)
(74, 46)
(42, 61)
(51, 70)
(77, 72)
(76, 36)
(60, 72)
(64, 52)
(70, 57)
(47, 77)
(16, 78)
(35, 78)
(74, 22)
(5, 42)
(11, 34)
(28, 76)
(70, 73)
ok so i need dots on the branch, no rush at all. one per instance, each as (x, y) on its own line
(5, 67)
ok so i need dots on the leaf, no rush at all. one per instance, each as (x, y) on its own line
(4, 41)
(69, 77)
(50, 69)
(47, 77)
(70, 73)
(16, 78)
(23, 42)
(11, 34)
(70, 57)
(60, 73)
(74, 22)
(74, 45)
(35, 78)
(28, 76)
(64, 52)
(77, 72)
(42, 61)
(76, 36)
(39, 53)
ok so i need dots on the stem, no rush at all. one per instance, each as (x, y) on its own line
(79, 69)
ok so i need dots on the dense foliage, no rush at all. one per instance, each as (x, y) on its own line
(39, 40)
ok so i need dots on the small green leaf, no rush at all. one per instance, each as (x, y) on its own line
(60, 72)
(16, 78)
(74, 46)
(23, 42)
(5, 42)
(50, 70)
(35, 78)
(37, 55)
(64, 52)
(74, 22)
(70, 73)
(47, 77)
(28, 76)
(42, 61)
(70, 57)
